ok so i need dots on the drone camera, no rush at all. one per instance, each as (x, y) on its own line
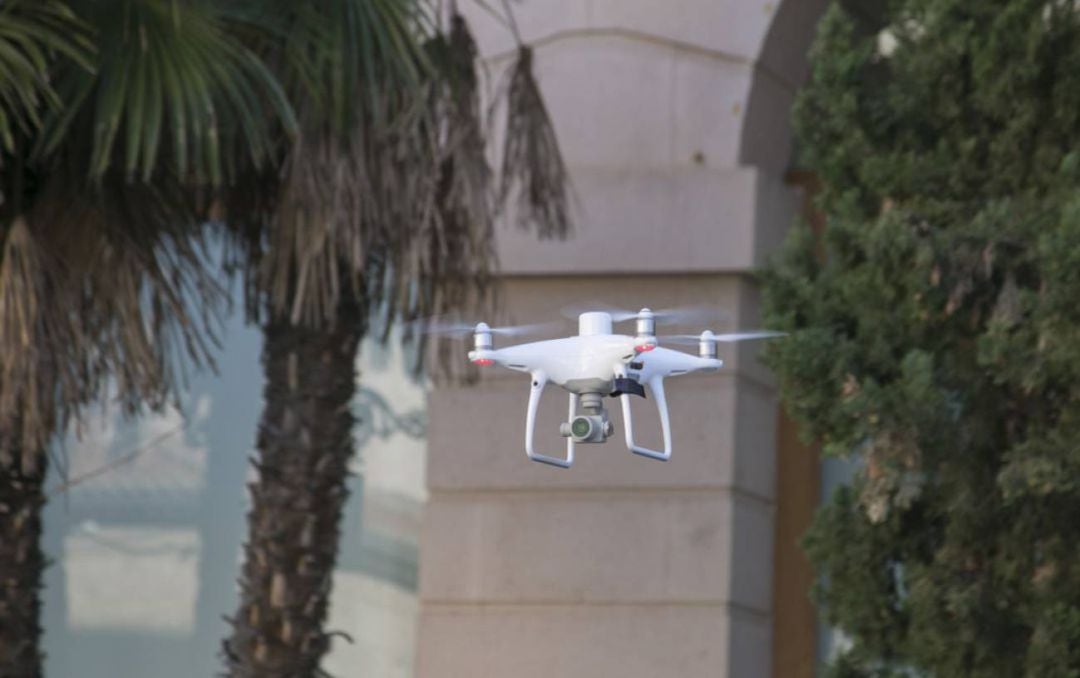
(587, 428)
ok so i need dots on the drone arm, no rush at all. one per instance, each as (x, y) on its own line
(539, 381)
(656, 387)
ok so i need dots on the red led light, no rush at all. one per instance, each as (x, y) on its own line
(483, 362)
(643, 348)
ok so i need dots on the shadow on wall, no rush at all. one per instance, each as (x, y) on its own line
(146, 543)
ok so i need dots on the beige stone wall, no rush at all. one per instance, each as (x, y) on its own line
(673, 117)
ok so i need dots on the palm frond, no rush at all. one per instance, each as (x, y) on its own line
(358, 187)
(458, 270)
(532, 164)
(169, 78)
(425, 230)
(103, 287)
(391, 200)
(31, 32)
(105, 283)
(339, 60)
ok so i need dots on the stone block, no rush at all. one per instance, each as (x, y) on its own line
(732, 29)
(609, 77)
(751, 549)
(639, 221)
(755, 440)
(616, 641)
(537, 21)
(750, 648)
(595, 547)
(766, 139)
(709, 106)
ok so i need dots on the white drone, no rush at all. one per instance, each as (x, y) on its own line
(598, 363)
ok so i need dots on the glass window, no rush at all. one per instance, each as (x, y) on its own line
(146, 540)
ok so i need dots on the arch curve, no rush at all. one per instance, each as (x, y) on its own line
(781, 67)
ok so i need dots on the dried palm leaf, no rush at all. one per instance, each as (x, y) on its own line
(106, 288)
(533, 169)
(386, 193)
(106, 283)
(387, 200)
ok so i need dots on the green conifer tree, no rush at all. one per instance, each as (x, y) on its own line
(936, 334)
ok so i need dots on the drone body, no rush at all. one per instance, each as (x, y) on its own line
(596, 364)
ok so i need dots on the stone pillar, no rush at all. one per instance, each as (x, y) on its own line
(673, 119)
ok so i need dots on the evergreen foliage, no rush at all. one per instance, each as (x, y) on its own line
(936, 334)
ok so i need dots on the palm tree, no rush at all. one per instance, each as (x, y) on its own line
(113, 117)
(381, 207)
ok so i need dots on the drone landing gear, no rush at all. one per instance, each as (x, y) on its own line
(591, 426)
(595, 427)
(656, 386)
(539, 381)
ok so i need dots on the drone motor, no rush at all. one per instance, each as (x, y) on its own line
(645, 324)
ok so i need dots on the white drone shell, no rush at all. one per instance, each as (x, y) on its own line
(590, 363)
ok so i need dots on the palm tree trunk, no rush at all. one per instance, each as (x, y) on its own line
(304, 445)
(22, 563)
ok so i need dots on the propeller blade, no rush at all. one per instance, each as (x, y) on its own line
(679, 315)
(446, 329)
(693, 339)
(522, 330)
(679, 339)
(617, 314)
(690, 315)
(748, 336)
(461, 330)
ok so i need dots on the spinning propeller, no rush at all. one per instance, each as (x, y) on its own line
(461, 330)
(482, 334)
(679, 315)
(707, 341)
(692, 339)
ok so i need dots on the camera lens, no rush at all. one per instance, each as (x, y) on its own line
(581, 428)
